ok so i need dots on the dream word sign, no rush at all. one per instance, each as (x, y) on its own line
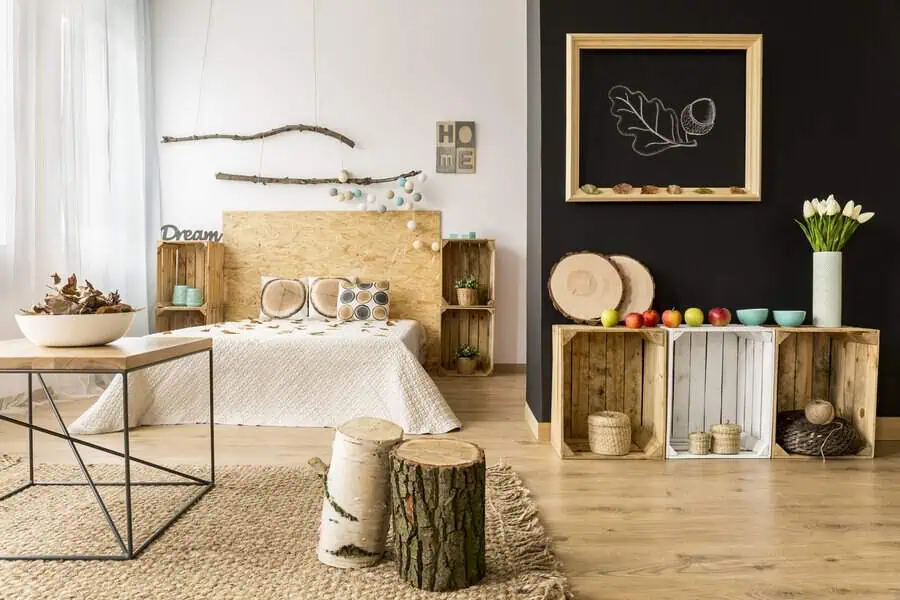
(171, 233)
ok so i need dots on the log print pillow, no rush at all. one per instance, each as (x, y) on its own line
(281, 298)
(323, 295)
(364, 301)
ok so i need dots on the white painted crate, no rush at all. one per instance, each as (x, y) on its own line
(719, 374)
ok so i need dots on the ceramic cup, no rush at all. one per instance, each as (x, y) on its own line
(194, 297)
(179, 295)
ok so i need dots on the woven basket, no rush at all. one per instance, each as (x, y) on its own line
(726, 438)
(699, 442)
(609, 433)
(797, 435)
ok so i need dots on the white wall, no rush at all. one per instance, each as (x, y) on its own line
(387, 70)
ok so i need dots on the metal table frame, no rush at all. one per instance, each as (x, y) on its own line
(126, 543)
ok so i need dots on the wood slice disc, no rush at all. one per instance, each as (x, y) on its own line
(439, 452)
(281, 298)
(584, 284)
(639, 288)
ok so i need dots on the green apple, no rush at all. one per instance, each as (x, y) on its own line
(693, 317)
(610, 317)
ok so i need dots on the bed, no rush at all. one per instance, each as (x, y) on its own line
(304, 372)
(286, 373)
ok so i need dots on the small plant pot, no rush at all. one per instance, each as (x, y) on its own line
(467, 296)
(466, 366)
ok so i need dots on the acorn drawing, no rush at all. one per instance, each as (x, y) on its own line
(699, 117)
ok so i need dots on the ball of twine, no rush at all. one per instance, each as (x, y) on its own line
(819, 412)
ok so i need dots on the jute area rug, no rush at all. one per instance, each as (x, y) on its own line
(253, 536)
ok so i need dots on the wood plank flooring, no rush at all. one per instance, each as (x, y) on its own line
(629, 529)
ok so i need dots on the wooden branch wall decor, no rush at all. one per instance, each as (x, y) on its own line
(313, 181)
(168, 139)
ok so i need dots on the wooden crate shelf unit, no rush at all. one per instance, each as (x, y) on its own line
(616, 369)
(196, 264)
(469, 258)
(719, 375)
(839, 365)
(467, 325)
(473, 327)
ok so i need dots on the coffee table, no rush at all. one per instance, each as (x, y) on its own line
(122, 357)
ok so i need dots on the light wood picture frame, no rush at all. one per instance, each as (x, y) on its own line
(751, 44)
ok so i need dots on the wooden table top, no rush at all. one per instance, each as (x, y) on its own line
(122, 355)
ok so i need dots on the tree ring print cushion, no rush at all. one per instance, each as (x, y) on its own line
(324, 294)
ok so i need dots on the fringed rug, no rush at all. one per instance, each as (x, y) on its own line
(253, 536)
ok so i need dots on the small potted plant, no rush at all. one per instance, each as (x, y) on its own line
(467, 291)
(466, 359)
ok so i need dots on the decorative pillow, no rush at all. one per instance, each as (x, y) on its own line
(281, 298)
(364, 301)
(323, 296)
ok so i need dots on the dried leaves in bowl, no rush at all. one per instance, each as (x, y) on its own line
(69, 298)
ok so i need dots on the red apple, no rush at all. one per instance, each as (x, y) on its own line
(651, 318)
(634, 320)
(671, 318)
(719, 316)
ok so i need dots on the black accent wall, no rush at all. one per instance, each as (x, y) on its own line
(831, 124)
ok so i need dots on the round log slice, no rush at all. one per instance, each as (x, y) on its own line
(584, 284)
(437, 510)
(639, 288)
(281, 298)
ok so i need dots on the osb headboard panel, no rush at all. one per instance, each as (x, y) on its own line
(367, 244)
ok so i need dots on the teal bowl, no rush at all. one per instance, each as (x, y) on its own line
(789, 318)
(752, 317)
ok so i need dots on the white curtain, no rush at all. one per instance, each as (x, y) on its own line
(78, 174)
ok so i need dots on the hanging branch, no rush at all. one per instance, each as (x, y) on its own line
(262, 134)
(319, 181)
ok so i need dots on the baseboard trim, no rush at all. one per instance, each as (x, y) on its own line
(509, 369)
(540, 430)
(887, 429)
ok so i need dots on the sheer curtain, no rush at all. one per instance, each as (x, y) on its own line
(78, 175)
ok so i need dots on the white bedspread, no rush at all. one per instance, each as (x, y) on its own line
(288, 373)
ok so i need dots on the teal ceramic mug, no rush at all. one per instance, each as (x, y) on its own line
(194, 297)
(179, 295)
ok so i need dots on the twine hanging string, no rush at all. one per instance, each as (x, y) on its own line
(209, 14)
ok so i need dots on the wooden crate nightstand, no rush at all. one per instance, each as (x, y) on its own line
(199, 265)
(608, 368)
(718, 375)
(839, 365)
(468, 325)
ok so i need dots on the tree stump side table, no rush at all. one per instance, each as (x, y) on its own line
(437, 507)
(355, 510)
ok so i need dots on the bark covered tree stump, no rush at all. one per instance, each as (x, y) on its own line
(355, 510)
(437, 510)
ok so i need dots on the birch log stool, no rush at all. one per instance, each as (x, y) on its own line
(437, 499)
(355, 510)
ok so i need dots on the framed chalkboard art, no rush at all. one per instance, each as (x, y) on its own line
(663, 117)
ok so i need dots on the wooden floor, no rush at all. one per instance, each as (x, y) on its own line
(630, 529)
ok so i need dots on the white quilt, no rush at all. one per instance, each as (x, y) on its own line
(287, 373)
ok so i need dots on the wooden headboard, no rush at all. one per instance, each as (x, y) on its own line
(370, 245)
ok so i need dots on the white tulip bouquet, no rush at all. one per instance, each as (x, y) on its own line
(827, 226)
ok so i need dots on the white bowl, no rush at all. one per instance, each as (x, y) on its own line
(69, 331)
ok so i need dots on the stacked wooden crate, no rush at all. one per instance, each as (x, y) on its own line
(673, 382)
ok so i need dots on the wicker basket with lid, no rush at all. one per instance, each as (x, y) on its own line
(726, 438)
(609, 433)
